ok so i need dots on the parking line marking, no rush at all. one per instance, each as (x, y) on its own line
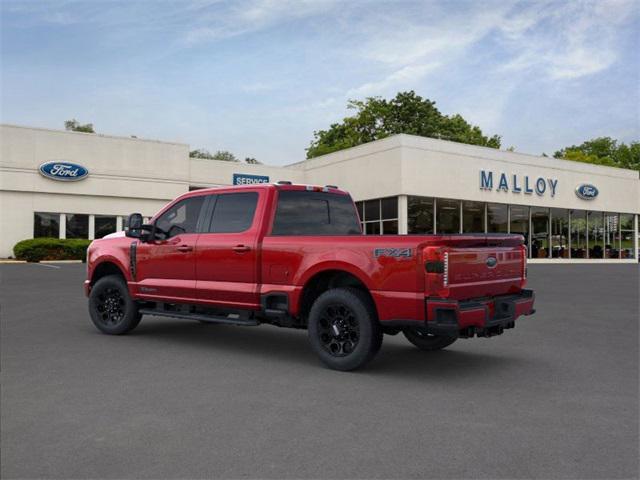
(46, 265)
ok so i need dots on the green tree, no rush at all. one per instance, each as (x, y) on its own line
(252, 161)
(219, 155)
(74, 126)
(225, 156)
(377, 118)
(604, 151)
(201, 153)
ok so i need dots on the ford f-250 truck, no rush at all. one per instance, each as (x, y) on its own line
(295, 256)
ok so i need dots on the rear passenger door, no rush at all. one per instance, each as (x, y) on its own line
(226, 252)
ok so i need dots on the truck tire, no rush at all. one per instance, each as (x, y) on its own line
(343, 328)
(111, 307)
(427, 341)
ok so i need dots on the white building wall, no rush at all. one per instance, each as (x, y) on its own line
(445, 169)
(373, 170)
(213, 173)
(127, 175)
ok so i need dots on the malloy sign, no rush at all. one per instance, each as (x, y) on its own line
(515, 183)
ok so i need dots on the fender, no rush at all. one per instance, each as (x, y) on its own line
(120, 260)
(301, 282)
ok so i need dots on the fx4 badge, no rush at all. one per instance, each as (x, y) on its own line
(393, 252)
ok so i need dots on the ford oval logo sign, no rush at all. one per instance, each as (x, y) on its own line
(492, 262)
(63, 171)
(586, 191)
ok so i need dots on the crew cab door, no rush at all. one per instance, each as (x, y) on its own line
(227, 251)
(165, 266)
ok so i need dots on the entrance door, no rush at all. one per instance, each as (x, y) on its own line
(226, 252)
(165, 266)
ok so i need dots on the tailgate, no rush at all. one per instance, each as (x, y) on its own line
(483, 272)
(469, 269)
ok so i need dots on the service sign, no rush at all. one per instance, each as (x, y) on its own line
(586, 191)
(246, 179)
(63, 171)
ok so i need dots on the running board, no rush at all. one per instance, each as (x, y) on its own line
(200, 317)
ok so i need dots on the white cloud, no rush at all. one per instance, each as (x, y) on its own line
(405, 77)
(564, 41)
(251, 16)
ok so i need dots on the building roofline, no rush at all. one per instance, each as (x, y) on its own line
(431, 144)
(118, 137)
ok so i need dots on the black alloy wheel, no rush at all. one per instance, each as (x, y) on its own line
(112, 309)
(343, 328)
(110, 306)
(339, 330)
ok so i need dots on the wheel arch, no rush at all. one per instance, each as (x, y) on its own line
(107, 267)
(325, 279)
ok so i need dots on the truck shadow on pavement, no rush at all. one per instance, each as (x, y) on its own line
(272, 344)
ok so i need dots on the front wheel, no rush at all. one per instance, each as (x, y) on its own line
(427, 341)
(111, 308)
(343, 328)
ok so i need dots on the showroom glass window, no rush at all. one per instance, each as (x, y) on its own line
(626, 235)
(181, 217)
(595, 234)
(46, 225)
(420, 214)
(447, 216)
(472, 217)
(497, 218)
(379, 216)
(520, 222)
(539, 232)
(578, 234)
(559, 233)
(104, 225)
(611, 233)
(77, 225)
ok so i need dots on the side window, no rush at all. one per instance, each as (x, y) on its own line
(233, 212)
(315, 213)
(180, 218)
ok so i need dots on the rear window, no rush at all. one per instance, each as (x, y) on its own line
(315, 213)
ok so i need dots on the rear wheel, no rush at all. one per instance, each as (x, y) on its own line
(343, 329)
(111, 308)
(427, 341)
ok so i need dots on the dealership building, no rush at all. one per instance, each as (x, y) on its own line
(78, 185)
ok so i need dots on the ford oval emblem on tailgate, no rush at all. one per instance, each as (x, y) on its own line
(492, 262)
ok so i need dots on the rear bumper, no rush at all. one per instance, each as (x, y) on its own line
(484, 318)
(480, 317)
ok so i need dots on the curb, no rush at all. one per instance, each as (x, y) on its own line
(60, 261)
(5, 261)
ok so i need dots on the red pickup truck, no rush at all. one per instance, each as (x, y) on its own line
(295, 256)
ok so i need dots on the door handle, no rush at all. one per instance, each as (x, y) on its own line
(185, 248)
(241, 249)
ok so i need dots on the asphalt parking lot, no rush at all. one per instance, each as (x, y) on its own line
(557, 397)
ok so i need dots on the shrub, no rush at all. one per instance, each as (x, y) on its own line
(36, 249)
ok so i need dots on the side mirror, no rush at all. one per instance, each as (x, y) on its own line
(134, 230)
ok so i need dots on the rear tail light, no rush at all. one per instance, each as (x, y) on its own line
(445, 278)
(524, 265)
(437, 271)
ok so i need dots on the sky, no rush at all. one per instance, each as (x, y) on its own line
(258, 77)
